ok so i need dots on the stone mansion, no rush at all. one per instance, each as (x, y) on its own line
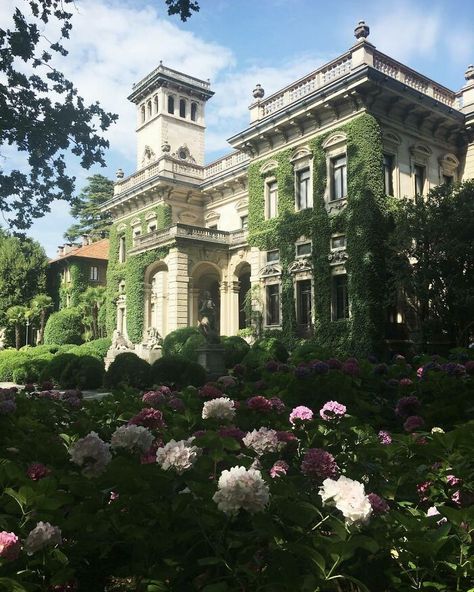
(285, 231)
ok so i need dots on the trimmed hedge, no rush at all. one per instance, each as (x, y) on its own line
(55, 367)
(30, 369)
(64, 327)
(175, 343)
(177, 370)
(82, 372)
(235, 348)
(128, 370)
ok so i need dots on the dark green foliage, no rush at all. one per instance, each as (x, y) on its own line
(30, 369)
(310, 350)
(97, 348)
(82, 372)
(184, 8)
(273, 347)
(64, 326)
(176, 369)
(55, 367)
(176, 342)
(86, 209)
(9, 360)
(128, 370)
(42, 113)
(235, 349)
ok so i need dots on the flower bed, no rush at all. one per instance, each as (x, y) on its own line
(332, 475)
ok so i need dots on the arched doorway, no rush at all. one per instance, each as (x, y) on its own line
(206, 297)
(156, 290)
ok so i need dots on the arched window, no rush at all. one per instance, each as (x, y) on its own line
(142, 111)
(170, 104)
(149, 108)
(194, 109)
(182, 108)
(155, 104)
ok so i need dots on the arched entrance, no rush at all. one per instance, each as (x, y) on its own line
(205, 295)
(156, 293)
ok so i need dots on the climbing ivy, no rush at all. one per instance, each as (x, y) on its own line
(362, 221)
(132, 271)
(79, 274)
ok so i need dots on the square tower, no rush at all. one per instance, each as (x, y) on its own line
(170, 116)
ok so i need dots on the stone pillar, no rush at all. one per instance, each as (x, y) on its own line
(177, 290)
(147, 296)
(467, 101)
(193, 299)
(224, 317)
(234, 307)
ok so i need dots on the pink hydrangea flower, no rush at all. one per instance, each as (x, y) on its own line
(379, 505)
(259, 403)
(9, 545)
(37, 471)
(385, 438)
(148, 418)
(301, 413)
(279, 468)
(406, 382)
(319, 464)
(452, 480)
(413, 423)
(423, 490)
(332, 410)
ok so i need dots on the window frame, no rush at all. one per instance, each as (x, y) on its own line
(335, 237)
(244, 222)
(346, 308)
(390, 175)
(170, 105)
(299, 301)
(271, 260)
(272, 305)
(334, 183)
(299, 172)
(417, 167)
(303, 244)
(271, 189)
(94, 273)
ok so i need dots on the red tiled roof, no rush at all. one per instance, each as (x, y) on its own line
(97, 250)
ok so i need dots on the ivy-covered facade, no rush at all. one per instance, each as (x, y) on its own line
(288, 232)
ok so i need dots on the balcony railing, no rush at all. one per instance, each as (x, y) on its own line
(225, 163)
(360, 54)
(185, 231)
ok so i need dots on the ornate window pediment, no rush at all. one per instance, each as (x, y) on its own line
(271, 269)
(150, 216)
(301, 153)
(242, 204)
(135, 222)
(121, 227)
(212, 217)
(269, 166)
(301, 264)
(391, 139)
(334, 140)
(449, 164)
(420, 152)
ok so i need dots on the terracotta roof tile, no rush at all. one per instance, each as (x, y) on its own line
(97, 250)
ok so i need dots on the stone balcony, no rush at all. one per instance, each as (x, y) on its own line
(362, 53)
(185, 232)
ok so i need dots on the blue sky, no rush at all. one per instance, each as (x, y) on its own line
(237, 43)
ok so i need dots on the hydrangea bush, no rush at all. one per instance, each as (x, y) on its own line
(334, 475)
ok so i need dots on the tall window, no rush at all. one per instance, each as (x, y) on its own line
(182, 108)
(273, 304)
(339, 177)
(303, 249)
(272, 199)
(155, 104)
(244, 222)
(303, 294)
(170, 104)
(303, 190)
(448, 179)
(273, 256)
(94, 273)
(149, 108)
(388, 174)
(193, 111)
(340, 308)
(420, 176)
(142, 112)
(122, 253)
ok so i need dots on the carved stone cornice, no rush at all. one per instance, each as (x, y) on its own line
(300, 265)
(270, 269)
(338, 257)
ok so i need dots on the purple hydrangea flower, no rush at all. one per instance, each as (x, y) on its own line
(334, 364)
(277, 404)
(414, 422)
(302, 371)
(319, 367)
(259, 403)
(279, 468)
(319, 464)
(407, 406)
(381, 369)
(379, 505)
(385, 438)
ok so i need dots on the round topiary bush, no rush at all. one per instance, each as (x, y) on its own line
(310, 350)
(273, 347)
(83, 372)
(235, 348)
(128, 370)
(97, 348)
(177, 370)
(190, 347)
(64, 326)
(10, 359)
(52, 371)
(175, 342)
(29, 370)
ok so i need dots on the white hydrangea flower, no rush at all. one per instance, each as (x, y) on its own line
(241, 488)
(132, 437)
(179, 456)
(437, 430)
(91, 453)
(349, 497)
(221, 408)
(262, 441)
(43, 535)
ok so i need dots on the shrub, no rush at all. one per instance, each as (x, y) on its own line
(55, 367)
(9, 360)
(130, 370)
(83, 372)
(174, 342)
(191, 345)
(235, 348)
(273, 347)
(30, 369)
(39, 350)
(97, 348)
(178, 370)
(64, 326)
(309, 350)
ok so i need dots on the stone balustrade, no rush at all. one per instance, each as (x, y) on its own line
(361, 54)
(225, 163)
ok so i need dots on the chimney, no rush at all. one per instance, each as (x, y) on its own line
(86, 240)
(60, 250)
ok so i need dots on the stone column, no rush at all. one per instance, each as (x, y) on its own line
(467, 98)
(234, 307)
(177, 290)
(224, 317)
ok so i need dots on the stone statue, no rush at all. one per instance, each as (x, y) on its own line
(207, 318)
(119, 342)
(153, 338)
(2, 337)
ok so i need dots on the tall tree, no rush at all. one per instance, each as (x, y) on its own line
(432, 261)
(91, 301)
(40, 305)
(23, 264)
(16, 316)
(86, 209)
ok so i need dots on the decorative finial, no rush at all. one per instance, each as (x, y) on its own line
(161, 62)
(119, 174)
(361, 31)
(469, 74)
(258, 92)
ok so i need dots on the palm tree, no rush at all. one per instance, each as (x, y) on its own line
(40, 305)
(16, 316)
(90, 302)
